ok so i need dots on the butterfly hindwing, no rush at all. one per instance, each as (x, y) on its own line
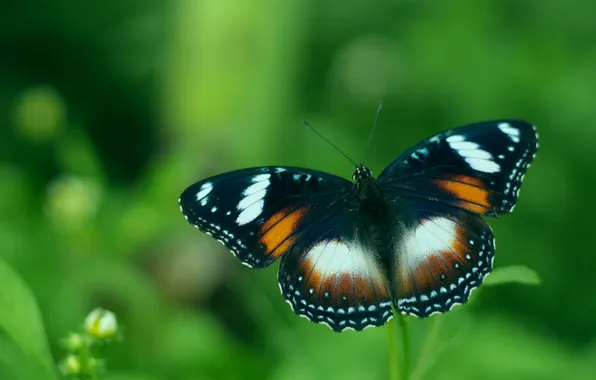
(333, 277)
(478, 167)
(443, 253)
(257, 213)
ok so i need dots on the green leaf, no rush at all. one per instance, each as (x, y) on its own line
(20, 318)
(15, 364)
(513, 274)
(437, 335)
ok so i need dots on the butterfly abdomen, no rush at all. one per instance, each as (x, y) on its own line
(376, 225)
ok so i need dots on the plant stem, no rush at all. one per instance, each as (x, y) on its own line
(405, 339)
(86, 358)
(428, 348)
(393, 351)
(394, 357)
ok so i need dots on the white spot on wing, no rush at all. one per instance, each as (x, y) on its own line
(250, 213)
(251, 199)
(255, 187)
(251, 206)
(478, 159)
(511, 132)
(508, 129)
(261, 177)
(455, 138)
(463, 145)
(483, 165)
(205, 189)
(477, 153)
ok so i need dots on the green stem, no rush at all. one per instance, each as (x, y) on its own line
(394, 357)
(405, 346)
(428, 348)
(393, 352)
(87, 367)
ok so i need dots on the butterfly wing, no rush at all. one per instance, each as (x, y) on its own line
(310, 219)
(334, 276)
(478, 167)
(439, 189)
(441, 255)
(256, 212)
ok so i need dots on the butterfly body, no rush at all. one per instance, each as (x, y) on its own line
(413, 238)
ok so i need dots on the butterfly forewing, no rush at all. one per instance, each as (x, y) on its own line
(478, 167)
(257, 213)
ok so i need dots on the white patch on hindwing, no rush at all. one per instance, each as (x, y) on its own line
(430, 236)
(457, 293)
(333, 258)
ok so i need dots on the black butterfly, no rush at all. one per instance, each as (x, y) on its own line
(413, 238)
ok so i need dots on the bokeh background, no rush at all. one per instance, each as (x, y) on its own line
(108, 110)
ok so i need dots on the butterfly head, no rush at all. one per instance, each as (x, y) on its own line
(362, 173)
(362, 177)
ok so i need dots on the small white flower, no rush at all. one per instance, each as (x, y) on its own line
(101, 324)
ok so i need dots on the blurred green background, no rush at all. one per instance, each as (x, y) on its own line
(108, 110)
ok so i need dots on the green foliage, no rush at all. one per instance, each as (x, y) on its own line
(24, 348)
(516, 274)
(16, 364)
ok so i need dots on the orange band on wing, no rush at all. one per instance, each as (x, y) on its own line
(458, 245)
(330, 271)
(339, 285)
(278, 231)
(455, 255)
(423, 275)
(406, 285)
(469, 190)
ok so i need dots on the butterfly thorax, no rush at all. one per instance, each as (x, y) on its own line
(373, 218)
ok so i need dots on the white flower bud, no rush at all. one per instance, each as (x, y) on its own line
(101, 324)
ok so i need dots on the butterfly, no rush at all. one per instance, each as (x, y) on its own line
(413, 238)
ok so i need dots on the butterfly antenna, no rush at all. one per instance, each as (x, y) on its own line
(372, 132)
(328, 142)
